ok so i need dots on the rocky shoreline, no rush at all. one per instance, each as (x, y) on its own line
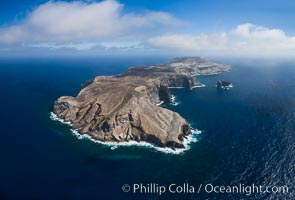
(123, 107)
(192, 138)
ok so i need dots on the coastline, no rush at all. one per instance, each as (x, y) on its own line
(186, 142)
(129, 114)
(210, 74)
(199, 86)
(195, 86)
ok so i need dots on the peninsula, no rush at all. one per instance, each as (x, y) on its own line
(124, 108)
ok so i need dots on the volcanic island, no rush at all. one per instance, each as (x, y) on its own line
(125, 107)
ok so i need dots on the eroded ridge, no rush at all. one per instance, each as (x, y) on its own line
(124, 107)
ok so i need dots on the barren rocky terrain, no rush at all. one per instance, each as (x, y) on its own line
(124, 107)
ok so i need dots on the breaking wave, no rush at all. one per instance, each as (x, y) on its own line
(192, 138)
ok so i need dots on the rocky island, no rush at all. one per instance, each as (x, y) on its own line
(124, 107)
(224, 84)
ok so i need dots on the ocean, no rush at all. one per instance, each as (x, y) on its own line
(247, 133)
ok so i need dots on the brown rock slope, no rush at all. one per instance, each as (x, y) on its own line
(123, 107)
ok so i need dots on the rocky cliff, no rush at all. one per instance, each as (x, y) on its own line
(123, 107)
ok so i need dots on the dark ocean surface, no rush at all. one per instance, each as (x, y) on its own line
(247, 133)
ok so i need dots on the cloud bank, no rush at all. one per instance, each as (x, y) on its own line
(245, 39)
(82, 26)
(76, 21)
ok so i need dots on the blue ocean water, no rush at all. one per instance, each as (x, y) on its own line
(247, 133)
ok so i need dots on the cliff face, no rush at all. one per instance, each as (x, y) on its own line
(123, 107)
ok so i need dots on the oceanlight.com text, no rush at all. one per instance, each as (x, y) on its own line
(186, 188)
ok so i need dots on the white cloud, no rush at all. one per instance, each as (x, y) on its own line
(190, 42)
(79, 21)
(246, 38)
(122, 45)
(53, 46)
(249, 30)
(77, 25)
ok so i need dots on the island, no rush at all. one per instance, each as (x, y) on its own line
(125, 107)
(224, 84)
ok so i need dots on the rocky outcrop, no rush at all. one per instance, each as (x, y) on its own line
(123, 107)
(224, 84)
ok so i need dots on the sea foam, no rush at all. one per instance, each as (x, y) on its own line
(192, 138)
(199, 86)
(173, 101)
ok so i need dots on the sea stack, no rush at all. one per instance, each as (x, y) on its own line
(224, 84)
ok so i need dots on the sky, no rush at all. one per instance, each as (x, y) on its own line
(179, 27)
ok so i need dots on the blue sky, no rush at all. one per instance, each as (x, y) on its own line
(250, 26)
(226, 13)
